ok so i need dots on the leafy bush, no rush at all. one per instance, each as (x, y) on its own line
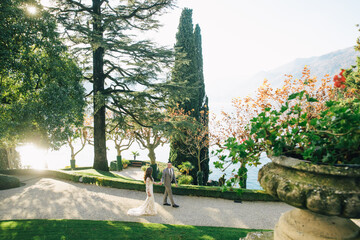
(185, 179)
(186, 167)
(7, 182)
(144, 167)
(113, 166)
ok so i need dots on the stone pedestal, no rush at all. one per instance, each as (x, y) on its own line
(327, 196)
(303, 224)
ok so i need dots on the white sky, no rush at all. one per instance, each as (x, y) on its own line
(243, 37)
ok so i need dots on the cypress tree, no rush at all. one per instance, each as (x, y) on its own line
(189, 67)
(202, 99)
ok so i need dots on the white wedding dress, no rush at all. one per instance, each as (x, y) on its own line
(148, 207)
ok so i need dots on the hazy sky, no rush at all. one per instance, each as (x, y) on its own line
(243, 37)
(246, 36)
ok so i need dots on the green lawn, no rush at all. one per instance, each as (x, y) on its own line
(97, 230)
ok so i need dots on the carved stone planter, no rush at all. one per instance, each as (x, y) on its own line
(327, 196)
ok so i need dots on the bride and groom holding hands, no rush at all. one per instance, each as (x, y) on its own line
(148, 207)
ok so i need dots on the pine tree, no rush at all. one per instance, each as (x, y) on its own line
(123, 68)
(189, 67)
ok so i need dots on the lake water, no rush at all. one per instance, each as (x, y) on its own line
(34, 157)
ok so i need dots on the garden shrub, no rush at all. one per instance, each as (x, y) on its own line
(144, 167)
(7, 182)
(113, 166)
(185, 179)
(125, 162)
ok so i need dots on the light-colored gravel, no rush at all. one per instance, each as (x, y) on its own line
(131, 172)
(45, 198)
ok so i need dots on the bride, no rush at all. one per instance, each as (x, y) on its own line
(148, 207)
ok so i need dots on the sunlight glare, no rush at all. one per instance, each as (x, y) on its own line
(32, 10)
(32, 156)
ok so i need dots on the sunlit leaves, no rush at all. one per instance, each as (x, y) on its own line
(272, 119)
(40, 87)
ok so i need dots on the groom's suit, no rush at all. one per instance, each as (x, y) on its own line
(168, 176)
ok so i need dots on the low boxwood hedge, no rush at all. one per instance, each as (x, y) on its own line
(115, 181)
(7, 182)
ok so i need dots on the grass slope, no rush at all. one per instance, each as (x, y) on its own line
(85, 229)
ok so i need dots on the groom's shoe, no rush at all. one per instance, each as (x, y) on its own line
(176, 206)
(166, 204)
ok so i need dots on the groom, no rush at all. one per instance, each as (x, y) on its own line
(168, 176)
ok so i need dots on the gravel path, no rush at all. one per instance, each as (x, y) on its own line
(131, 172)
(46, 198)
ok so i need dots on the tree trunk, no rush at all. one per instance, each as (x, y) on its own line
(118, 150)
(152, 156)
(72, 151)
(10, 158)
(242, 175)
(199, 160)
(100, 159)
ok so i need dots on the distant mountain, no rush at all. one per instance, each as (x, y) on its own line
(330, 63)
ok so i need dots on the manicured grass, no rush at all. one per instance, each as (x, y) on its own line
(85, 229)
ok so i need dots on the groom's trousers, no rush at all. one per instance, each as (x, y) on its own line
(168, 192)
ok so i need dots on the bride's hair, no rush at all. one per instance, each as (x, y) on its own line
(148, 173)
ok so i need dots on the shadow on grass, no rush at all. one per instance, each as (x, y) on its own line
(84, 229)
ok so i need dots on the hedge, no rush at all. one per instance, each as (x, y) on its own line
(127, 183)
(7, 182)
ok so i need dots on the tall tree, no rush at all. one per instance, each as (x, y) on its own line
(203, 116)
(189, 67)
(41, 93)
(124, 67)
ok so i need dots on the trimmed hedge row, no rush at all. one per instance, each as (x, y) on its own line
(7, 182)
(123, 183)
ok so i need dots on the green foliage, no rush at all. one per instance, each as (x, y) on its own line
(135, 154)
(144, 167)
(185, 179)
(200, 177)
(125, 161)
(113, 166)
(132, 67)
(7, 182)
(186, 167)
(9, 158)
(79, 229)
(333, 138)
(189, 67)
(40, 89)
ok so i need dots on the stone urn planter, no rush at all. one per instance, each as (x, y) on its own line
(326, 197)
